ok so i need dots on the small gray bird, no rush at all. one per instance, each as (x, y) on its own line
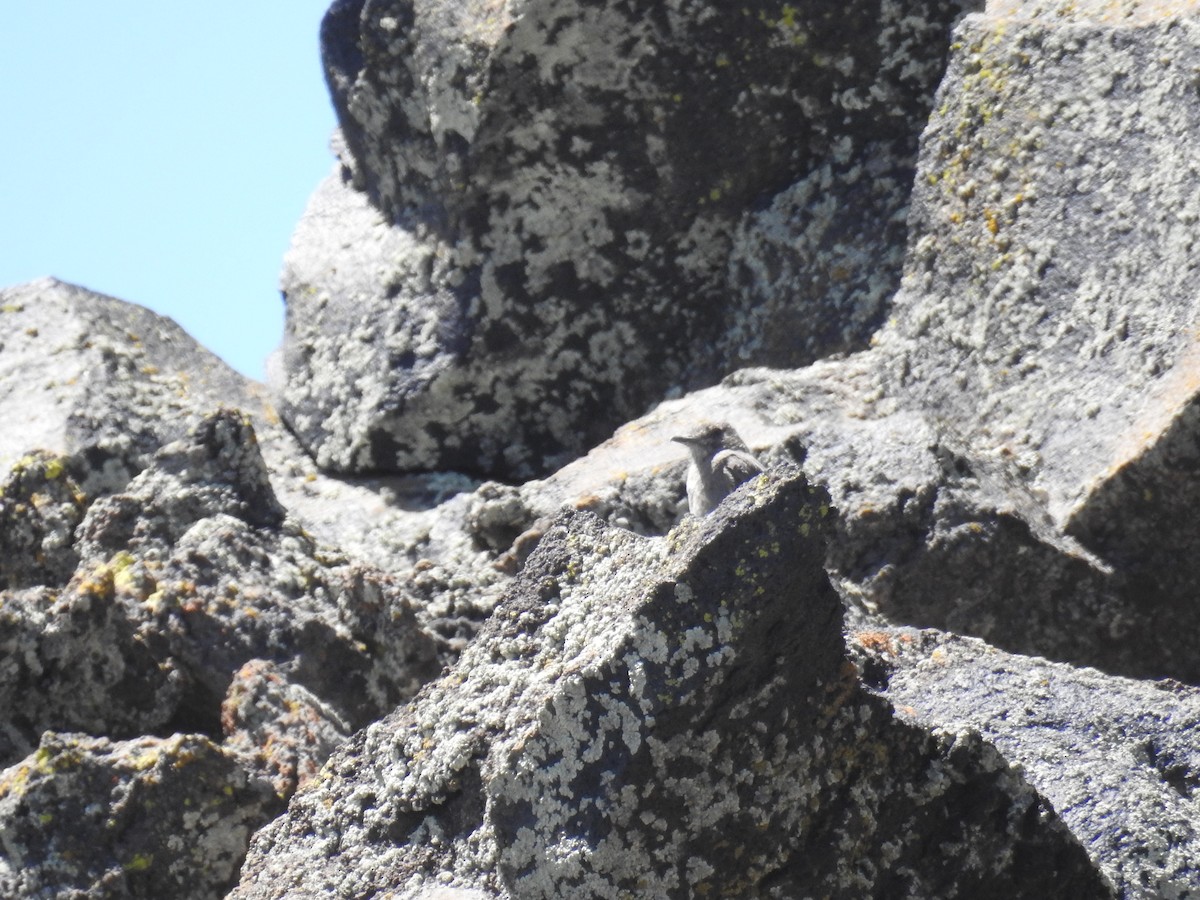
(720, 462)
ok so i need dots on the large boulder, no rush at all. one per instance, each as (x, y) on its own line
(100, 382)
(564, 198)
(1048, 312)
(1116, 758)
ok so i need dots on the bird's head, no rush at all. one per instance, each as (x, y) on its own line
(710, 438)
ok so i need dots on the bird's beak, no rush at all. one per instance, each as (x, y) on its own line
(686, 441)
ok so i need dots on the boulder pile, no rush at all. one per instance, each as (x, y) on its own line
(428, 617)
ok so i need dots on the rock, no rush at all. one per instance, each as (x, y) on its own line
(534, 277)
(189, 574)
(928, 531)
(219, 577)
(283, 729)
(498, 515)
(1050, 295)
(40, 507)
(148, 559)
(816, 270)
(681, 726)
(1007, 290)
(73, 660)
(217, 470)
(1116, 758)
(100, 382)
(91, 818)
(101, 385)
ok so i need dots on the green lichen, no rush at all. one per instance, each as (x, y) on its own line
(140, 862)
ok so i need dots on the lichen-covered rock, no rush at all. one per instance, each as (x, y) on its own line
(187, 575)
(684, 725)
(100, 382)
(1049, 259)
(814, 272)
(72, 660)
(92, 818)
(217, 577)
(40, 507)
(1117, 758)
(217, 470)
(281, 728)
(94, 387)
(927, 530)
(564, 234)
(1050, 299)
(528, 211)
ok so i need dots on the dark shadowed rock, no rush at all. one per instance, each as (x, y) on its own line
(684, 726)
(585, 207)
(1117, 758)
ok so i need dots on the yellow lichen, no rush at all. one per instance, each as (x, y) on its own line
(140, 862)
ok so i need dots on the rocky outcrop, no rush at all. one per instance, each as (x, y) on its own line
(179, 625)
(901, 663)
(101, 382)
(669, 717)
(1050, 301)
(40, 508)
(561, 230)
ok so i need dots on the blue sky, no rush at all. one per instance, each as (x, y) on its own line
(162, 153)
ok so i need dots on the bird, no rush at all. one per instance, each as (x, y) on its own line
(720, 462)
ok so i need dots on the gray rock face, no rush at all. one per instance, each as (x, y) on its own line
(217, 577)
(72, 661)
(563, 195)
(190, 587)
(282, 730)
(185, 577)
(102, 382)
(1117, 758)
(683, 726)
(40, 507)
(1050, 298)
